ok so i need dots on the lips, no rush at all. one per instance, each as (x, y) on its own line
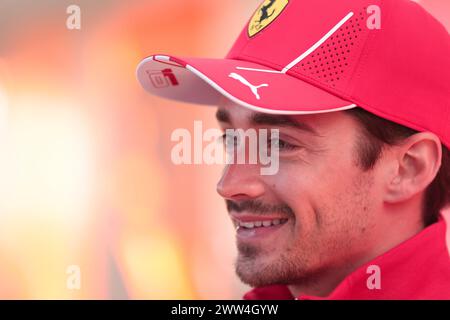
(258, 223)
(255, 227)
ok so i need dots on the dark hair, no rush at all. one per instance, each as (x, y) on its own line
(379, 133)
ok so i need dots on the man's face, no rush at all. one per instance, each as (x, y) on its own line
(316, 215)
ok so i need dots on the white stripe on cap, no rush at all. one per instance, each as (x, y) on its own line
(307, 52)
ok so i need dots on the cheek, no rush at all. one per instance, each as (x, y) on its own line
(296, 187)
(346, 212)
(321, 194)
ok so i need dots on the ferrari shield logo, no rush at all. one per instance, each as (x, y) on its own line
(266, 13)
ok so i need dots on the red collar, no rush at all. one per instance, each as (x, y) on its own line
(418, 268)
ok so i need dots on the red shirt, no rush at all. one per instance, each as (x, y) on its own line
(418, 268)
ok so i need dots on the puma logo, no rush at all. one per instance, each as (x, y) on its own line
(244, 81)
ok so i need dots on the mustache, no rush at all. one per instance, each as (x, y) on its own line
(257, 206)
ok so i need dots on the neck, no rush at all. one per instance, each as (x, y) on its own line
(406, 218)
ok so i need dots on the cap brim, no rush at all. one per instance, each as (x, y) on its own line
(257, 87)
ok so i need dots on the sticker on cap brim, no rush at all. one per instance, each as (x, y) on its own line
(265, 15)
(162, 78)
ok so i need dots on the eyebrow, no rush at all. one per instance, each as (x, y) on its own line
(223, 116)
(269, 120)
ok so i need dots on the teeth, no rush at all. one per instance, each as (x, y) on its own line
(266, 223)
(249, 225)
(258, 224)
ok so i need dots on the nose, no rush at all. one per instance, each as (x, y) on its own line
(241, 182)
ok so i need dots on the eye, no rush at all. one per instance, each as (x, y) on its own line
(282, 144)
(229, 140)
(232, 141)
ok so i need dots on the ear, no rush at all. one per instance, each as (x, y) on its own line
(418, 160)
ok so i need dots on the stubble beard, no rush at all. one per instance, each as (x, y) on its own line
(304, 261)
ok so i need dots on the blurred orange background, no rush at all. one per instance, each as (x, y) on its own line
(86, 175)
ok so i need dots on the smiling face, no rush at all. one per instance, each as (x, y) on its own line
(316, 215)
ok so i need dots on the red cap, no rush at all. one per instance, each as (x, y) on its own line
(389, 57)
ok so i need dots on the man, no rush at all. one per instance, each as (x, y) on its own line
(359, 91)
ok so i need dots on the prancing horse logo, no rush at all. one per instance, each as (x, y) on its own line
(266, 13)
(244, 81)
(264, 10)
